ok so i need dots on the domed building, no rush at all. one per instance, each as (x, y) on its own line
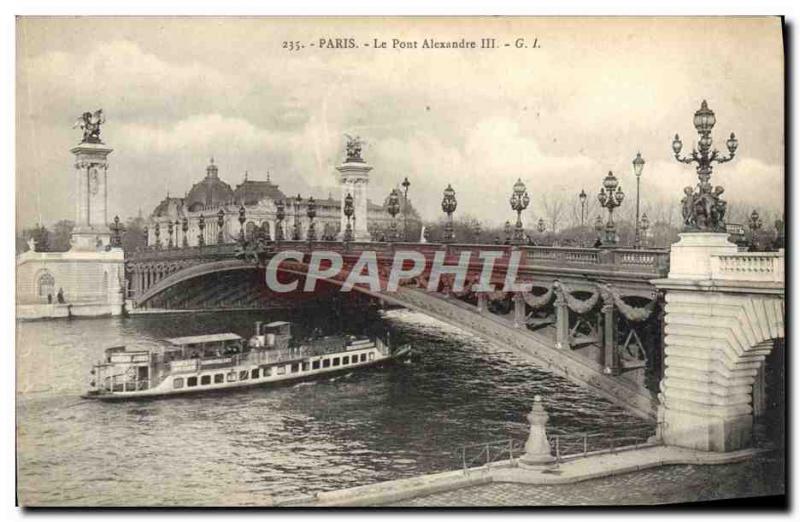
(211, 208)
(209, 192)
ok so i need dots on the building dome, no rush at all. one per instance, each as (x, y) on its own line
(209, 192)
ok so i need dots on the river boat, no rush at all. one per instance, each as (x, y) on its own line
(224, 361)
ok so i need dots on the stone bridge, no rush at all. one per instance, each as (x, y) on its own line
(592, 315)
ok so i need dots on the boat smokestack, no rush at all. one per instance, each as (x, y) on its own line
(258, 328)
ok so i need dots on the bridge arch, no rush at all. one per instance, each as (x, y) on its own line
(500, 331)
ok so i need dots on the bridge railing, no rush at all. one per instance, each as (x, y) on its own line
(767, 267)
(562, 447)
(648, 260)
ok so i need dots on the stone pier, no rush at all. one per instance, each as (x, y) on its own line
(724, 310)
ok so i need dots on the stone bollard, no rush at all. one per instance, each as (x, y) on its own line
(537, 448)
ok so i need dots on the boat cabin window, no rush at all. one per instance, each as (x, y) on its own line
(218, 378)
(315, 365)
(191, 381)
(305, 366)
(281, 370)
(336, 361)
(346, 359)
(363, 357)
(326, 363)
(243, 375)
(295, 367)
(371, 356)
(205, 379)
(177, 383)
(231, 377)
(254, 373)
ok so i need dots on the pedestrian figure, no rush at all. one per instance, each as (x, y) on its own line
(60, 295)
(49, 298)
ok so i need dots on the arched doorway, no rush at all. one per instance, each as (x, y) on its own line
(45, 286)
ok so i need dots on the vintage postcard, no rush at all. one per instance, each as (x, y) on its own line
(396, 262)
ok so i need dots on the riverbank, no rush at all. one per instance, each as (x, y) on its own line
(573, 471)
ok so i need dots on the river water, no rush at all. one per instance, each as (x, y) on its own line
(246, 446)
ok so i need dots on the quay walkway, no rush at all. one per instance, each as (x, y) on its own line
(489, 485)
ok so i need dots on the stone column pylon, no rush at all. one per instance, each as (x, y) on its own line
(91, 221)
(354, 180)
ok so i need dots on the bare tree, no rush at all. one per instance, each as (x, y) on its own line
(555, 208)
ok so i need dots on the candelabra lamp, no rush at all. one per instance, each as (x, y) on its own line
(201, 224)
(702, 207)
(610, 197)
(311, 212)
(280, 215)
(449, 205)
(220, 226)
(519, 201)
(348, 213)
(393, 208)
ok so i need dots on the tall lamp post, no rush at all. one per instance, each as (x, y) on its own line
(348, 213)
(201, 224)
(170, 231)
(185, 230)
(754, 223)
(311, 212)
(220, 226)
(582, 197)
(519, 202)
(158, 236)
(449, 206)
(393, 208)
(280, 215)
(116, 228)
(177, 233)
(638, 166)
(644, 226)
(708, 217)
(405, 185)
(610, 197)
(146, 236)
(296, 233)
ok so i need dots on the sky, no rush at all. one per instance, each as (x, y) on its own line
(177, 91)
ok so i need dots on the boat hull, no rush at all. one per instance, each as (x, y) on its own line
(216, 388)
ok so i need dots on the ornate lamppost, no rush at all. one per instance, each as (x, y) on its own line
(519, 202)
(703, 209)
(610, 197)
(201, 224)
(158, 236)
(242, 220)
(393, 208)
(177, 232)
(582, 197)
(449, 205)
(311, 212)
(780, 234)
(754, 224)
(405, 185)
(348, 213)
(185, 229)
(638, 166)
(116, 228)
(644, 225)
(296, 232)
(280, 215)
(476, 231)
(507, 232)
(220, 226)
(146, 236)
(170, 231)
